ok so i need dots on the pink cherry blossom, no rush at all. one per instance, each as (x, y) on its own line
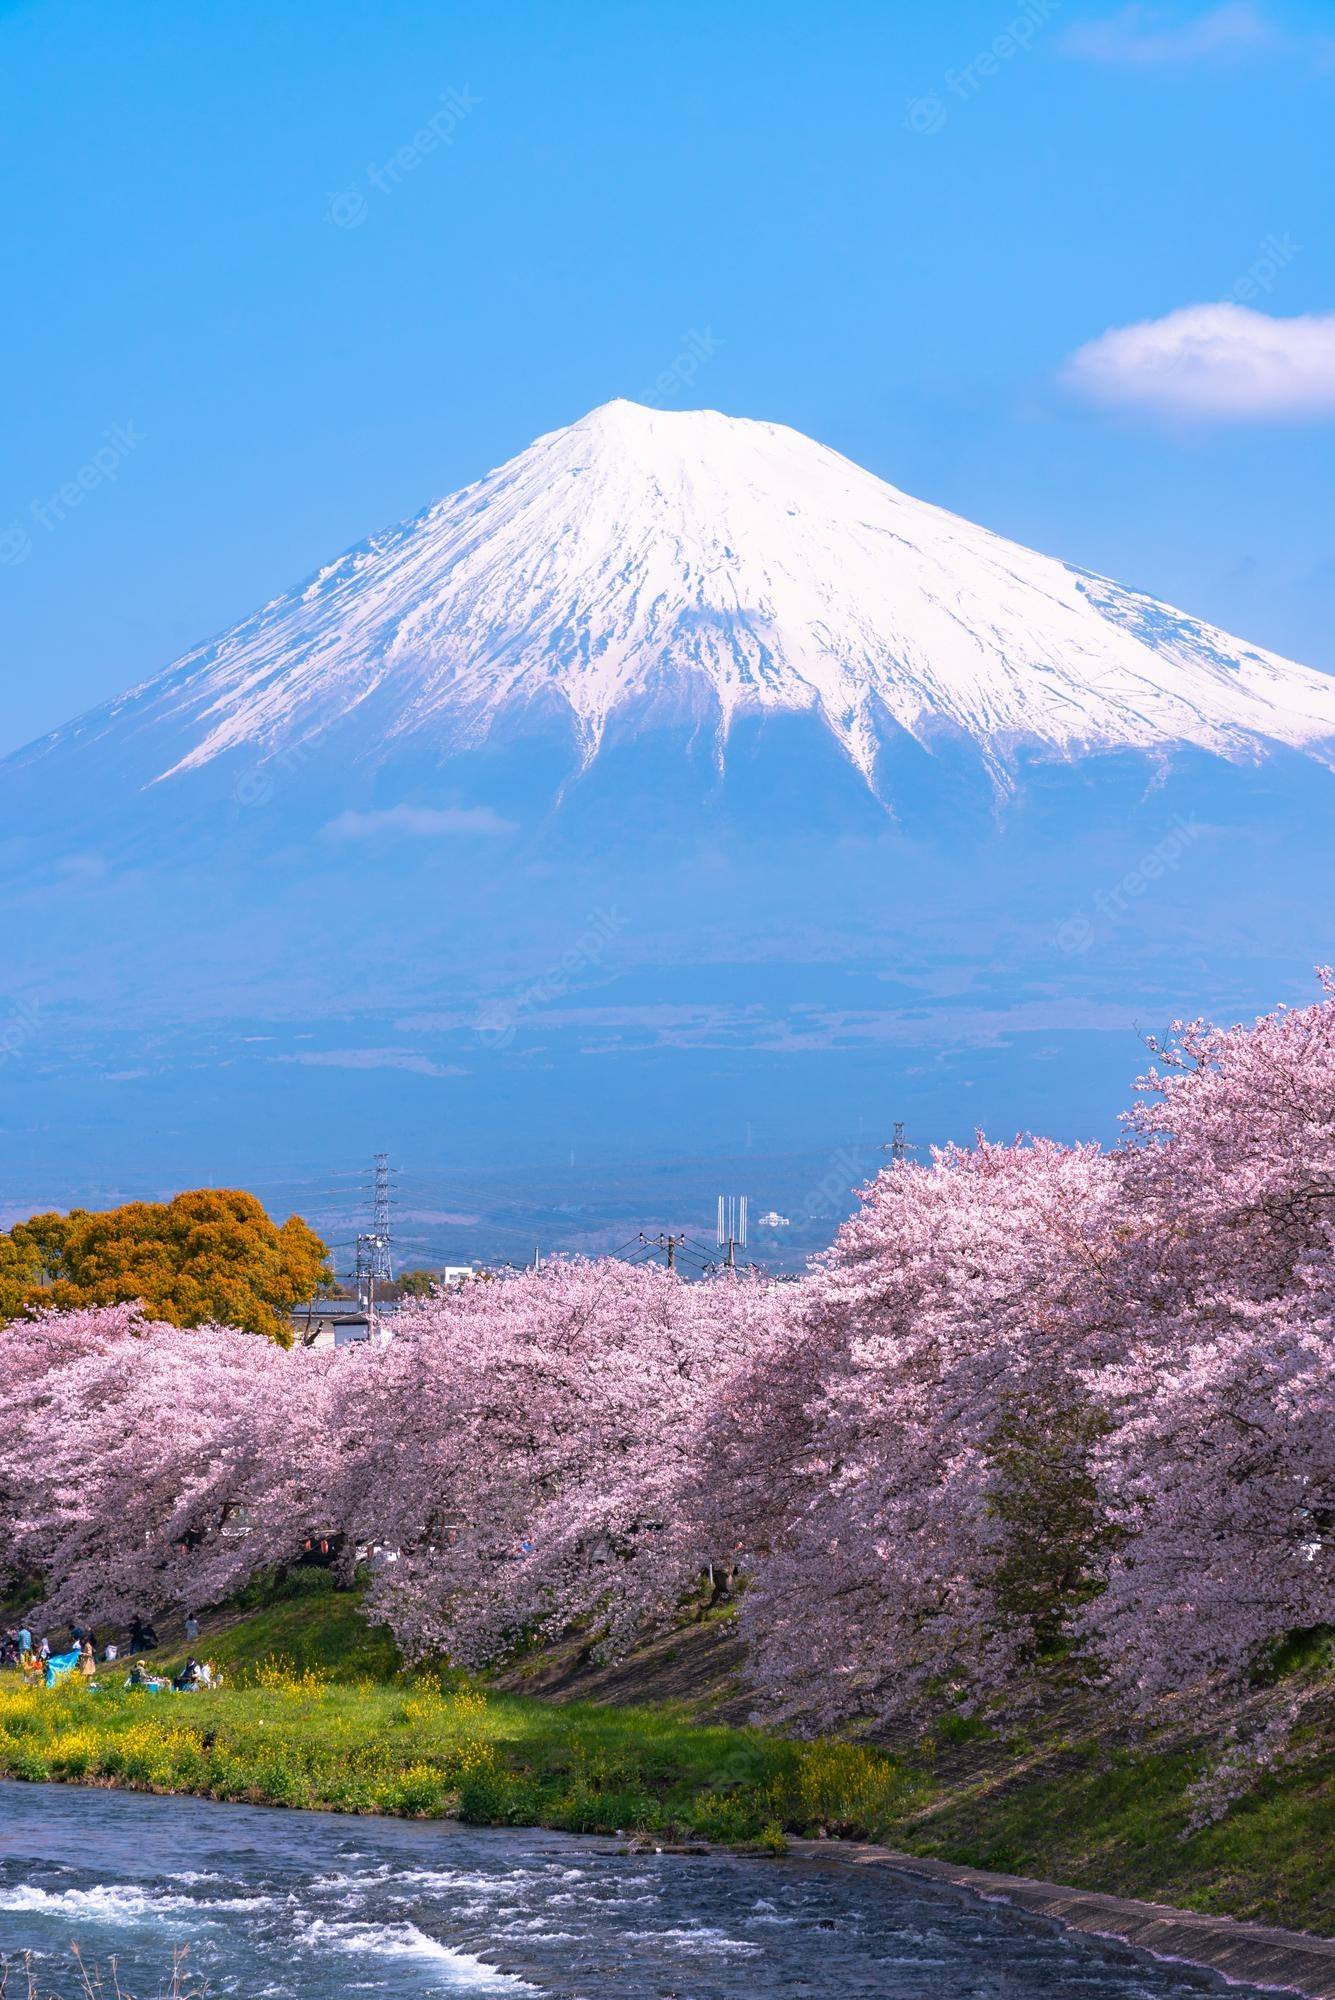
(1040, 1410)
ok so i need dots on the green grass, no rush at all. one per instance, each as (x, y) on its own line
(305, 1621)
(424, 1749)
(1117, 1821)
(316, 1713)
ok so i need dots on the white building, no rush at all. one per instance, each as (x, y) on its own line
(334, 1323)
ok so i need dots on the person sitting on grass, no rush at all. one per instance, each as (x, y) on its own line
(188, 1678)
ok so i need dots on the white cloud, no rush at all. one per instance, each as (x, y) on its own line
(420, 822)
(409, 1059)
(1218, 361)
(1145, 35)
(90, 867)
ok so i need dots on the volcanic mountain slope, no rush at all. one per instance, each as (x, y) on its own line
(642, 566)
(677, 779)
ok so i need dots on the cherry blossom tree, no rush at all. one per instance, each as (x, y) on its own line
(1219, 1470)
(1230, 1176)
(540, 1466)
(1219, 1463)
(937, 1521)
(1040, 1411)
(145, 1465)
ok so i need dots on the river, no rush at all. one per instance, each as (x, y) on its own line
(306, 1906)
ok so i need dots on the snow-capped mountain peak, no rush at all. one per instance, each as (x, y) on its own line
(643, 562)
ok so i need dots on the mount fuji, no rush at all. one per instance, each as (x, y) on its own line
(677, 779)
(642, 564)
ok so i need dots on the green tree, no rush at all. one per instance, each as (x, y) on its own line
(417, 1284)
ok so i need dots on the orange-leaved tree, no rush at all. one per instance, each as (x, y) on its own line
(211, 1254)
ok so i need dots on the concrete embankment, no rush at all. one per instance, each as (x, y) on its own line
(1253, 1954)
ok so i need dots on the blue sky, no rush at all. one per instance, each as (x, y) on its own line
(259, 320)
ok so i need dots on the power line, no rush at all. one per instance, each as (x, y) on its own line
(667, 1239)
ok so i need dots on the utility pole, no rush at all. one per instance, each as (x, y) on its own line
(666, 1240)
(731, 1233)
(363, 1273)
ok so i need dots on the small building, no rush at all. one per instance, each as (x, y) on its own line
(336, 1322)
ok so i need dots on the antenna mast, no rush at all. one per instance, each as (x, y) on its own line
(731, 1232)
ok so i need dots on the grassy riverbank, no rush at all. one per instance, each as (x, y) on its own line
(316, 1714)
(424, 1750)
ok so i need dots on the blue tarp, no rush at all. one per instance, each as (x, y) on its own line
(58, 1664)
